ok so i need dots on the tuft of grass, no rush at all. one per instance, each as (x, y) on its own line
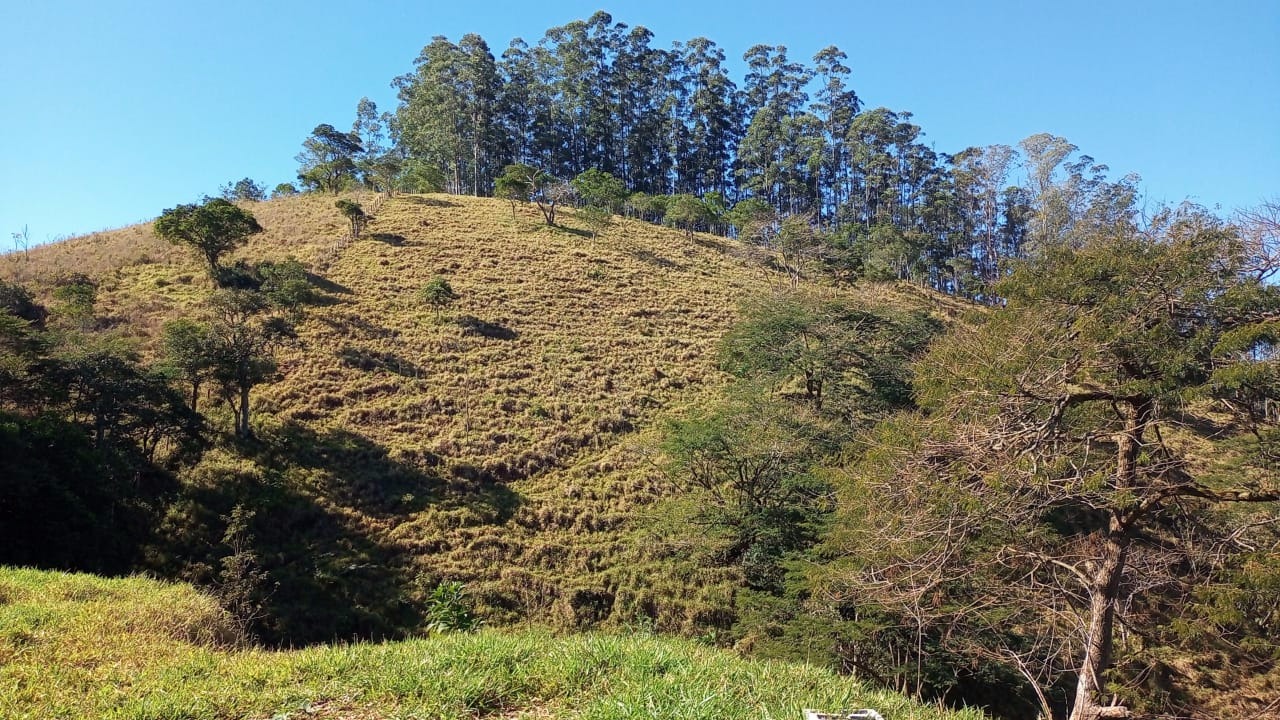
(135, 649)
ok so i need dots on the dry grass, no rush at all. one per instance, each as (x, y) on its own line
(523, 419)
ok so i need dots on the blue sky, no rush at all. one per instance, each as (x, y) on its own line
(114, 111)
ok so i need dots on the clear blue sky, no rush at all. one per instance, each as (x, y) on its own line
(114, 111)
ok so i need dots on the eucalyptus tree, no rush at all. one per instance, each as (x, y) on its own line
(379, 163)
(773, 94)
(641, 87)
(837, 104)
(432, 113)
(522, 100)
(714, 116)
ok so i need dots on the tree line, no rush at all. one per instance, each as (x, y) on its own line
(691, 146)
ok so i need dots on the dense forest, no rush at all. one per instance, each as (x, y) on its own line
(976, 427)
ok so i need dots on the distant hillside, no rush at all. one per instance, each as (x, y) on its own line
(508, 445)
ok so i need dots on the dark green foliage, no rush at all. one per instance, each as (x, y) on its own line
(522, 183)
(438, 294)
(844, 360)
(596, 218)
(242, 586)
(243, 336)
(355, 216)
(77, 295)
(1064, 476)
(600, 189)
(647, 207)
(214, 228)
(448, 609)
(120, 403)
(754, 220)
(17, 301)
(286, 284)
(514, 185)
(88, 438)
(328, 158)
(284, 190)
(688, 213)
(594, 99)
(69, 504)
(187, 354)
(748, 468)
(417, 176)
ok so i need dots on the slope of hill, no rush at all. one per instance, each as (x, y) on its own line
(506, 444)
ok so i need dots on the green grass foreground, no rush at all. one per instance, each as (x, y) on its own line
(80, 646)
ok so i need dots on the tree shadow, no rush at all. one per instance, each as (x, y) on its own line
(356, 472)
(321, 503)
(392, 239)
(367, 329)
(1202, 426)
(322, 283)
(474, 326)
(427, 201)
(654, 259)
(711, 243)
(320, 576)
(575, 231)
(362, 475)
(371, 360)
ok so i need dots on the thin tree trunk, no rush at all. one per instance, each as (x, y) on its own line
(242, 417)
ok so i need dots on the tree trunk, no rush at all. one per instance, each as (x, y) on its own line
(1104, 590)
(242, 415)
(1102, 608)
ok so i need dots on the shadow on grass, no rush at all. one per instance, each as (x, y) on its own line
(711, 243)
(474, 326)
(656, 260)
(371, 360)
(362, 475)
(323, 577)
(321, 504)
(363, 326)
(427, 201)
(323, 283)
(575, 231)
(393, 239)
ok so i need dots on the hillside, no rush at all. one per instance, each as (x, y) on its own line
(74, 646)
(507, 445)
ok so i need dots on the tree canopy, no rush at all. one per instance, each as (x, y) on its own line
(214, 228)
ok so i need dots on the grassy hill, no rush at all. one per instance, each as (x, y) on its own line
(507, 445)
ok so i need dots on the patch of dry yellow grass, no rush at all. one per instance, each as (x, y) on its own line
(538, 390)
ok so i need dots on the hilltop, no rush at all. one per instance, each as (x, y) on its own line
(509, 445)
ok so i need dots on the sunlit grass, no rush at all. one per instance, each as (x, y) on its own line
(76, 646)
